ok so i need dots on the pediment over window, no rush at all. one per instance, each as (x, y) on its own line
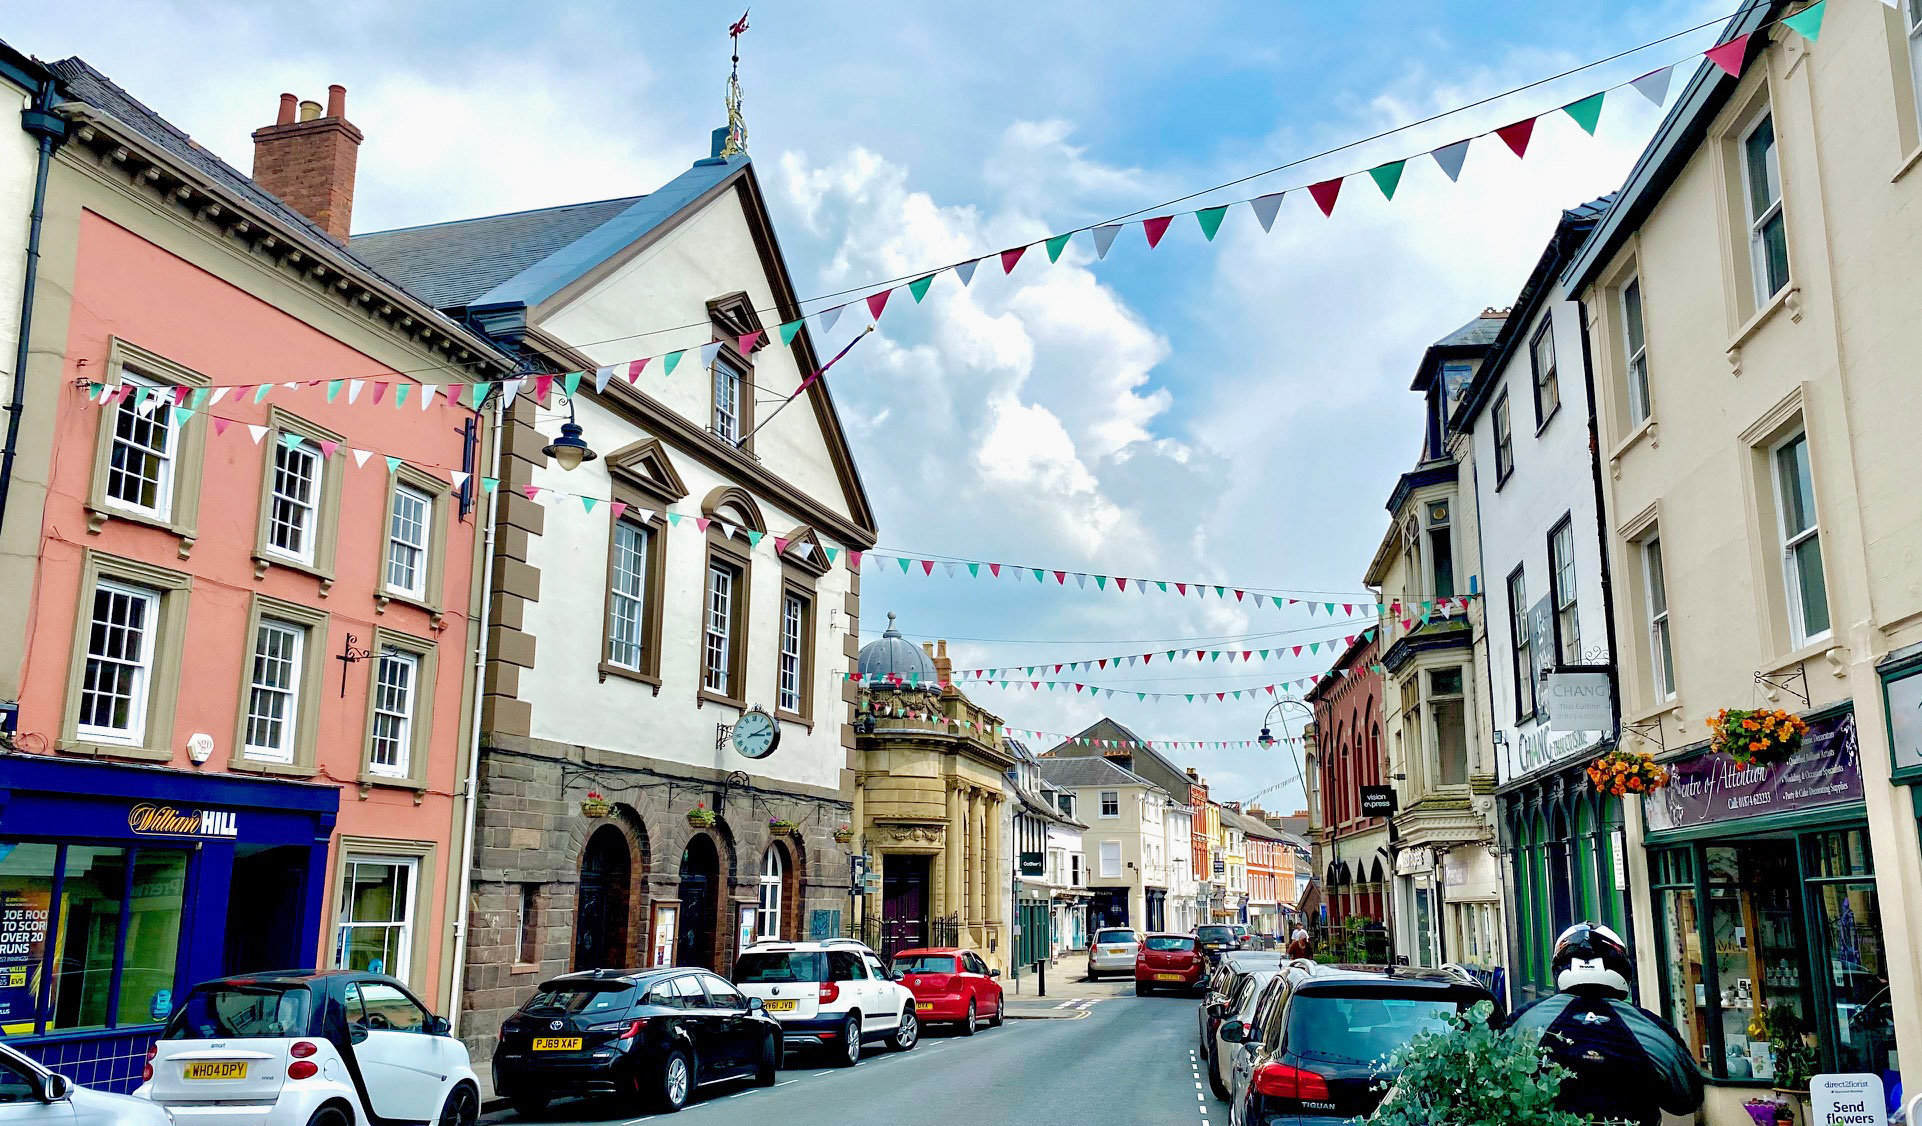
(645, 466)
(802, 549)
(734, 315)
(731, 505)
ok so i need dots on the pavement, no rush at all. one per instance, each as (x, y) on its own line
(1100, 1054)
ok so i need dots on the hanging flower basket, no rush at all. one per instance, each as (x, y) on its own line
(1763, 737)
(594, 805)
(1620, 773)
(843, 835)
(781, 826)
(701, 817)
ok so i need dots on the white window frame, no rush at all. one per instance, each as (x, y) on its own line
(1545, 379)
(1565, 599)
(1110, 797)
(1912, 19)
(767, 919)
(717, 655)
(141, 663)
(398, 543)
(727, 401)
(1522, 645)
(399, 722)
(157, 414)
(1758, 224)
(1504, 440)
(1431, 730)
(1641, 403)
(403, 927)
(627, 597)
(309, 509)
(1110, 850)
(289, 693)
(789, 697)
(1661, 641)
(1790, 541)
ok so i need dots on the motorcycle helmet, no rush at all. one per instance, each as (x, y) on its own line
(1589, 954)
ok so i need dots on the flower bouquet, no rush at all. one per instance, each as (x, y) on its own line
(1619, 773)
(1765, 736)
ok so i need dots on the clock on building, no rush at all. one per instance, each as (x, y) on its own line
(756, 734)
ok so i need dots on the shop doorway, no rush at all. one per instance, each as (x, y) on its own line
(264, 908)
(904, 903)
(601, 905)
(1109, 907)
(700, 880)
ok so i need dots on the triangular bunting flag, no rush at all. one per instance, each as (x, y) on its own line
(1387, 176)
(1808, 22)
(221, 424)
(360, 458)
(256, 432)
(291, 440)
(1450, 157)
(1516, 136)
(571, 383)
(542, 385)
(181, 415)
(878, 302)
(745, 344)
(427, 394)
(1104, 237)
(393, 464)
(327, 448)
(459, 478)
(401, 389)
(1654, 84)
(1210, 220)
(490, 483)
(671, 360)
(1011, 256)
(1325, 193)
(617, 508)
(587, 504)
(789, 331)
(918, 288)
(708, 351)
(1729, 55)
(1265, 207)
(1056, 245)
(333, 388)
(1587, 112)
(601, 376)
(1155, 228)
(965, 271)
(635, 367)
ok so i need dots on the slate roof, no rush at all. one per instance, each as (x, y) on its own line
(1477, 333)
(1078, 773)
(1135, 749)
(452, 263)
(1251, 826)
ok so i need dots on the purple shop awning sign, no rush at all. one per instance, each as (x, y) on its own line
(1711, 789)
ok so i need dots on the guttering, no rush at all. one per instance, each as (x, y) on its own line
(39, 120)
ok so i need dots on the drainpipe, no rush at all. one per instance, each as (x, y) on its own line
(472, 788)
(1601, 530)
(51, 129)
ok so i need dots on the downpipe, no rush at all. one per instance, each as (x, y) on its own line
(51, 130)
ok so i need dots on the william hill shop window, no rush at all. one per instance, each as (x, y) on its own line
(120, 886)
(1767, 920)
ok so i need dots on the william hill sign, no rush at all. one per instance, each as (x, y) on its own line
(151, 820)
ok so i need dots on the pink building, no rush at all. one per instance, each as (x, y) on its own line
(245, 670)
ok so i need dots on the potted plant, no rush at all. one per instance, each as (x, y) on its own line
(1620, 773)
(594, 805)
(843, 834)
(1795, 1061)
(781, 826)
(1763, 737)
(700, 817)
(1474, 1073)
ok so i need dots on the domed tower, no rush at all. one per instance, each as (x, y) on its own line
(894, 660)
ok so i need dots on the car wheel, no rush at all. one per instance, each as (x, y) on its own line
(461, 1108)
(1000, 1009)
(1142, 989)
(850, 1043)
(527, 1106)
(908, 1032)
(330, 1116)
(1214, 1082)
(968, 1023)
(676, 1083)
(770, 1063)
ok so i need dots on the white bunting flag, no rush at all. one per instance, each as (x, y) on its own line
(1654, 84)
(601, 376)
(1104, 237)
(427, 394)
(950, 568)
(220, 393)
(1082, 580)
(360, 458)
(805, 549)
(509, 389)
(708, 352)
(965, 271)
(1265, 207)
(353, 390)
(826, 318)
(459, 478)
(258, 432)
(728, 529)
(1450, 158)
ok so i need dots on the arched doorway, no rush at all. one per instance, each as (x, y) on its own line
(700, 891)
(601, 907)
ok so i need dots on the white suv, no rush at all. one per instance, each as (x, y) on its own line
(833, 994)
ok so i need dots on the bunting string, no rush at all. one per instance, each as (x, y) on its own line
(1055, 738)
(1168, 657)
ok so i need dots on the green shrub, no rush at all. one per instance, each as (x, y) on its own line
(1474, 1075)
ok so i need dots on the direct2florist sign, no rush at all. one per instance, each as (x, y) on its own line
(1711, 787)
(1847, 1100)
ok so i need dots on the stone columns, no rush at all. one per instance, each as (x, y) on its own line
(953, 896)
(997, 900)
(977, 888)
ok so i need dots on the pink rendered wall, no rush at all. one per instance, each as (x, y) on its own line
(127, 287)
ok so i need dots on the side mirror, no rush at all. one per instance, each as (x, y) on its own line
(755, 1005)
(356, 1033)
(439, 1026)
(1233, 1032)
(55, 1089)
(994, 973)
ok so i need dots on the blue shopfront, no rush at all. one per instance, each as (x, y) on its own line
(120, 886)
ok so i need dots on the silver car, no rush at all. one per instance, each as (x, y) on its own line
(1240, 1012)
(1112, 951)
(29, 1093)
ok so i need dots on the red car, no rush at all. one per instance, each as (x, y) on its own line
(950, 986)
(1168, 961)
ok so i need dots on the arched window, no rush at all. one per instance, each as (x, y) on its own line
(773, 877)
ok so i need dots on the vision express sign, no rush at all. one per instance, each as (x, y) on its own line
(1711, 788)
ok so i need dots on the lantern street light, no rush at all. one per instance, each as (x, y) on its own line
(1268, 740)
(570, 449)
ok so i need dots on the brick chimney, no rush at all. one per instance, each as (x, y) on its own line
(942, 665)
(307, 159)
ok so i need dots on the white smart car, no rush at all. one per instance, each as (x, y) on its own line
(299, 1048)
(29, 1093)
(832, 994)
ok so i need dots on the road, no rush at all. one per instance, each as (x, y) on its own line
(1108, 1056)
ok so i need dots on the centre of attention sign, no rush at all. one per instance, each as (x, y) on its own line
(1711, 788)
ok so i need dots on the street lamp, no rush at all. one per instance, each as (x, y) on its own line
(570, 449)
(1268, 740)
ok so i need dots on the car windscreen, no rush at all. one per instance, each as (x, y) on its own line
(582, 998)
(1170, 942)
(1214, 934)
(1361, 1027)
(254, 1010)
(1112, 936)
(772, 967)
(925, 964)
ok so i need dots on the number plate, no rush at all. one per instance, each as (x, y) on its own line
(1168, 977)
(924, 1006)
(557, 1043)
(1117, 949)
(779, 1006)
(216, 1069)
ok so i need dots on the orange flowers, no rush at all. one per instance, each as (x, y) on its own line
(1764, 736)
(1622, 772)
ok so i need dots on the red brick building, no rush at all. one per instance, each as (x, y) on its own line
(1351, 851)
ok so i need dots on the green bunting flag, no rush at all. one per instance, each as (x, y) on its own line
(670, 360)
(1387, 177)
(400, 393)
(791, 330)
(1037, 573)
(673, 519)
(974, 570)
(393, 465)
(181, 415)
(333, 388)
(753, 537)
(919, 288)
(1056, 245)
(477, 393)
(490, 483)
(260, 392)
(1210, 220)
(1588, 111)
(291, 440)
(587, 504)
(1101, 582)
(904, 564)
(199, 399)
(1808, 22)
(572, 383)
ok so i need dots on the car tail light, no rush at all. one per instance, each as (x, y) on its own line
(830, 993)
(302, 1049)
(1280, 1081)
(302, 1069)
(146, 1072)
(633, 1029)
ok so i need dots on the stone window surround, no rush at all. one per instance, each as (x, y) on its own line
(189, 453)
(725, 550)
(1754, 97)
(1637, 675)
(440, 495)
(163, 681)
(421, 723)
(797, 584)
(1787, 416)
(422, 852)
(733, 317)
(313, 674)
(644, 479)
(326, 507)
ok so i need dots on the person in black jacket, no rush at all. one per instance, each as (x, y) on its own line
(1626, 1064)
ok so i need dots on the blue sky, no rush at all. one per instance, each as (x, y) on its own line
(1234, 411)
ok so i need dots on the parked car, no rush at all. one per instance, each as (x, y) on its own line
(831, 994)
(650, 1037)
(1237, 1010)
(1112, 951)
(951, 986)
(1220, 985)
(301, 1048)
(1312, 1053)
(1244, 938)
(1168, 961)
(29, 1093)
(1215, 940)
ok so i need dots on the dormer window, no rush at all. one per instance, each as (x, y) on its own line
(728, 381)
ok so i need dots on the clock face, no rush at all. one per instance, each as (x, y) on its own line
(756, 734)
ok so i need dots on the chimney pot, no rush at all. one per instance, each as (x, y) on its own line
(336, 101)
(309, 160)
(287, 104)
(309, 110)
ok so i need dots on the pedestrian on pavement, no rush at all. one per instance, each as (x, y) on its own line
(1626, 1064)
(1300, 945)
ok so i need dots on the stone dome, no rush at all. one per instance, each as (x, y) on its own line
(895, 656)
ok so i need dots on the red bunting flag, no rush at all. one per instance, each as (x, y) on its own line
(878, 302)
(1183, 588)
(379, 390)
(542, 384)
(634, 370)
(1325, 193)
(1516, 136)
(994, 569)
(1729, 55)
(748, 341)
(927, 566)
(1155, 228)
(1121, 584)
(1061, 579)
(1010, 257)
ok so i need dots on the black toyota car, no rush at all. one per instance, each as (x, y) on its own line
(648, 1037)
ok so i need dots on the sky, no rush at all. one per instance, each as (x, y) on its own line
(1231, 412)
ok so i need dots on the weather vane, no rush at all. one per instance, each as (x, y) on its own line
(736, 124)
